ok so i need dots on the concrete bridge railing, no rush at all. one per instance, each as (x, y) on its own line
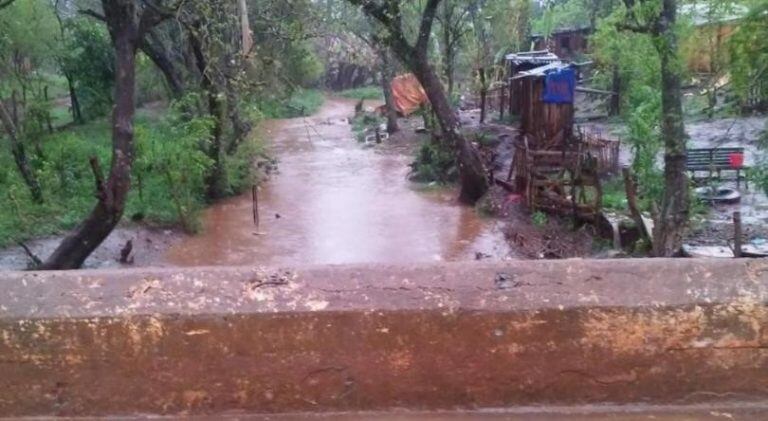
(339, 338)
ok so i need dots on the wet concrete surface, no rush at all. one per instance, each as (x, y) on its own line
(335, 201)
(148, 246)
(346, 338)
(594, 413)
(741, 411)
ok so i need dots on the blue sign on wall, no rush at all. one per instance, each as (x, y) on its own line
(559, 86)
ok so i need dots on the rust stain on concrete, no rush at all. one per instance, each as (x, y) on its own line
(349, 338)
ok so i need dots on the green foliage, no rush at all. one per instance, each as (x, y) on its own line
(539, 219)
(168, 185)
(170, 170)
(364, 122)
(759, 173)
(634, 56)
(67, 182)
(299, 65)
(26, 27)
(149, 81)
(88, 58)
(614, 195)
(435, 162)
(749, 53)
(568, 14)
(645, 137)
(301, 103)
(366, 92)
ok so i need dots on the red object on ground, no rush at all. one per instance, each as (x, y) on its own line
(736, 159)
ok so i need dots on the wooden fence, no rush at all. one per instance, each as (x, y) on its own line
(605, 150)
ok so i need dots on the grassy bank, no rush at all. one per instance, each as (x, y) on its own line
(302, 103)
(366, 92)
(168, 179)
(168, 187)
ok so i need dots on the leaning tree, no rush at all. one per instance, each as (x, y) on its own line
(128, 21)
(414, 55)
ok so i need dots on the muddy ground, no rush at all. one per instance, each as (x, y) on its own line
(148, 246)
(714, 227)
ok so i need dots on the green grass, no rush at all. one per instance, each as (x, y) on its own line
(57, 86)
(68, 187)
(60, 116)
(364, 121)
(67, 182)
(366, 92)
(614, 194)
(302, 103)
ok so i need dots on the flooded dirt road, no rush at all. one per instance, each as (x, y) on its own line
(336, 201)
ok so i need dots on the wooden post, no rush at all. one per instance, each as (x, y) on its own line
(254, 191)
(483, 94)
(502, 102)
(737, 234)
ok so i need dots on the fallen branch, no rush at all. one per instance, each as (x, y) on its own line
(36, 262)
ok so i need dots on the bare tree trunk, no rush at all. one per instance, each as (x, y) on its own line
(77, 113)
(20, 156)
(240, 128)
(483, 93)
(122, 21)
(216, 177)
(155, 51)
(472, 174)
(387, 74)
(673, 219)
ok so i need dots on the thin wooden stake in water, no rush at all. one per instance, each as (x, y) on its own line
(255, 190)
(737, 234)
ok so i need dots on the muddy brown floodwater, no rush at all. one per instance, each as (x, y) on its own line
(336, 201)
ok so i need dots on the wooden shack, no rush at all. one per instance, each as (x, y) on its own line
(552, 167)
(546, 124)
(520, 62)
(568, 43)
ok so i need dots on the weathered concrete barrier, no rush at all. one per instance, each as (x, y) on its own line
(378, 337)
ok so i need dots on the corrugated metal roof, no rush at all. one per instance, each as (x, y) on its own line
(535, 57)
(541, 71)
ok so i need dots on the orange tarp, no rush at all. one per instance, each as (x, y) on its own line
(408, 94)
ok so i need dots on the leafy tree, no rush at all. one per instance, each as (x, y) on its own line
(127, 23)
(88, 59)
(414, 55)
(749, 56)
(657, 19)
(24, 45)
